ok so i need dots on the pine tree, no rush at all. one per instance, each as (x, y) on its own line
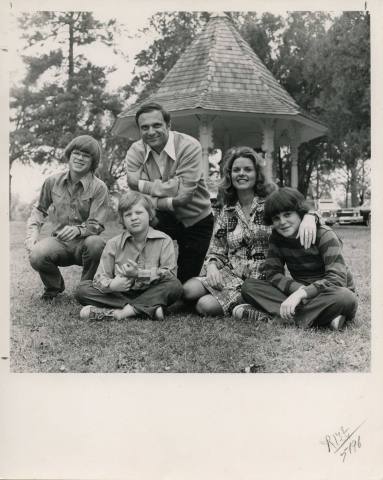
(63, 94)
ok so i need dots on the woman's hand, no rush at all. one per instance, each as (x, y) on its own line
(287, 309)
(214, 276)
(307, 231)
(120, 284)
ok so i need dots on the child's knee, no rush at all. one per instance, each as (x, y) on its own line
(249, 288)
(38, 256)
(81, 292)
(94, 245)
(193, 289)
(346, 300)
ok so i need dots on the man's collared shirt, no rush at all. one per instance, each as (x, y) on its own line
(160, 158)
(182, 174)
(83, 204)
(156, 260)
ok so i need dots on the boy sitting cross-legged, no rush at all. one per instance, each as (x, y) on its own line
(136, 275)
(321, 290)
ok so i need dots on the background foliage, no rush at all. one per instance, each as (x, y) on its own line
(322, 60)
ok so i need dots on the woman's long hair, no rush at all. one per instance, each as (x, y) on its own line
(227, 193)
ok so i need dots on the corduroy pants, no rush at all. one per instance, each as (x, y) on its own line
(317, 311)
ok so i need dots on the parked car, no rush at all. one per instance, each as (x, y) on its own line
(355, 215)
(349, 216)
(365, 210)
(328, 210)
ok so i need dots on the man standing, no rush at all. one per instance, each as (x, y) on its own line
(79, 203)
(167, 165)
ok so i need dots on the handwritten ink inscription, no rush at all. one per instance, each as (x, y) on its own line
(344, 442)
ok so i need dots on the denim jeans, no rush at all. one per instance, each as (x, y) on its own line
(161, 294)
(50, 253)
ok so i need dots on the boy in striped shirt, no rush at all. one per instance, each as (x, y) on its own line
(320, 291)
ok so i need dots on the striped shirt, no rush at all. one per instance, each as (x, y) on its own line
(317, 268)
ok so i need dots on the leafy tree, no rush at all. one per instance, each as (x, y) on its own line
(312, 54)
(262, 32)
(175, 31)
(62, 94)
(342, 66)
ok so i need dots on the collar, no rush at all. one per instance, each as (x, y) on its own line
(255, 203)
(85, 180)
(169, 148)
(152, 233)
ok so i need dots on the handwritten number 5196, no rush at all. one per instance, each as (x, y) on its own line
(352, 447)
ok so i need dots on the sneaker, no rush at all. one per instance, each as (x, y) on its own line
(245, 311)
(159, 314)
(96, 313)
(337, 322)
(51, 294)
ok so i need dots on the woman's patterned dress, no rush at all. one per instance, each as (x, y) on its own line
(239, 247)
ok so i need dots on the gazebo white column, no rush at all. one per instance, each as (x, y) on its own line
(268, 146)
(294, 144)
(206, 140)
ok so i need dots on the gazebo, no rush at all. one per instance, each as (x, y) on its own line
(220, 92)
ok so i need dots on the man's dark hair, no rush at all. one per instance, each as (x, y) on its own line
(285, 199)
(149, 107)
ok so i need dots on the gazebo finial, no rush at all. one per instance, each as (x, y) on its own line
(218, 14)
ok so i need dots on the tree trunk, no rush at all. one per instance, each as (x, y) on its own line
(347, 185)
(354, 185)
(317, 184)
(363, 184)
(280, 168)
(70, 53)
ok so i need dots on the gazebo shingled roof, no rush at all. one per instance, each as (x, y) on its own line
(220, 72)
(220, 92)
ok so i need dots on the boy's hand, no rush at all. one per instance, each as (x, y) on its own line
(69, 232)
(29, 244)
(120, 284)
(130, 269)
(307, 231)
(287, 309)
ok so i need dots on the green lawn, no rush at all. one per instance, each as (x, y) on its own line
(49, 337)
